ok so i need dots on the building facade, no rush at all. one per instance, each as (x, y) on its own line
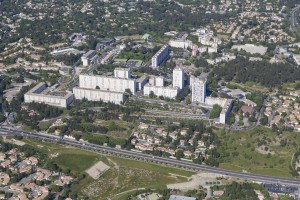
(112, 84)
(157, 81)
(122, 73)
(168, 92)
(226, 109)
(178, 78)
(183, 44)
(160, 56)
(88, 57)
(141, 82)
(198, 90)
(97, 95)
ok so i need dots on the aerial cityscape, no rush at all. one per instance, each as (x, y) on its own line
(150, 99)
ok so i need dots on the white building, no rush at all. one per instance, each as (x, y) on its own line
(183, 44)
(160, 56)
(141, 82)
(198, 90)
(122, 73)
(178, 78)
(97, 95)
(112, 84)
(168, 92)
(88, 57)
(157, 81)
(36, 95)
(226, 109)
(226, 105)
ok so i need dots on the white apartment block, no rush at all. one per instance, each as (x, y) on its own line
(168, 92)
(226, 105)
(36, 95)
(97, 95)
(183, 44)
(160, 56)
(226, 109)
(141, 82)
(122, 73)
(112, 84)
(178, 78)
(88, 57)
(198, 90)
(157, 81)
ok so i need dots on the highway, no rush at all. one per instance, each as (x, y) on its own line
(150, 158)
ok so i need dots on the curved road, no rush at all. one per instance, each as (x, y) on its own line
(150, 158)
(293, 19)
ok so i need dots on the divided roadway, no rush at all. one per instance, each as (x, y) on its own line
(150, 158)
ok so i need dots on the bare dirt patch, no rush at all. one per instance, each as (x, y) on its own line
(195, 181)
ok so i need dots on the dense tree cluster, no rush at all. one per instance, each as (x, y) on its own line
(141, 53)
(45, 111)
(215, 112)
(239, 191)
(257, 97)
(5, 82)
(270, 75)
(112, 142)
(183, 19)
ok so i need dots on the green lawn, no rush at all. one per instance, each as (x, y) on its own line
(240, 151)
(77, 161)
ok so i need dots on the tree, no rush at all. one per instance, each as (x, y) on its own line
(128, 91)
(179, 154)
(215, 112)
(264, 120)
(188, 100)
(152, 95)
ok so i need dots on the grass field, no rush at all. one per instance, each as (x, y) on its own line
(242, 152)
(252, 87)
(124, 176)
